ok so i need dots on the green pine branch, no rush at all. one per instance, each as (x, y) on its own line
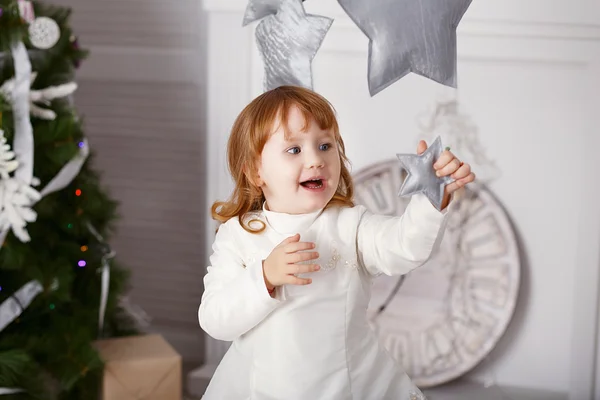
(48, 350)
(12, 27)
(18, 370)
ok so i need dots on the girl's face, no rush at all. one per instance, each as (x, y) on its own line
(301, 174)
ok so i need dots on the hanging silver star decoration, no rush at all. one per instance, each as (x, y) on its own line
(288, 42)
(408, 36)
(421, 174)
(259, 9)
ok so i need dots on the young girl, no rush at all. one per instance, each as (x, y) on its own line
(293, 260)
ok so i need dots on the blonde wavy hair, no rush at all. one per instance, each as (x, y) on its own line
(250, 132)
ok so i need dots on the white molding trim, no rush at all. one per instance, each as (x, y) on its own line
(475, 26)
(587, 286)
(228, 91)
(585, 352)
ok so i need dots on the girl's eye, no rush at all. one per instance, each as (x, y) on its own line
(325, 147)
(294, 150)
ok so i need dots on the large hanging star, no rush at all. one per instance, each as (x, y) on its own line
(288, 42)
(421, 174)
(408, 36)
(259, 9)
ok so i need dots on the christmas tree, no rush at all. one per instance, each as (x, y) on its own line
(60, 288)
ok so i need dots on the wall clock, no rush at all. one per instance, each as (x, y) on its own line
(440, 320)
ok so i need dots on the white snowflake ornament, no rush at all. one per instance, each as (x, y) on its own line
(16, 202)
(7, 162)
(42, 96)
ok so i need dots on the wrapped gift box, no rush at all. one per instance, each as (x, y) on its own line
(140, 368)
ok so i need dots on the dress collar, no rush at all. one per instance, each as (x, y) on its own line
(289, 224)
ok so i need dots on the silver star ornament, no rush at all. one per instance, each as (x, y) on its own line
(421, 174)
(405, 36)
(259, 9)
(288, 41)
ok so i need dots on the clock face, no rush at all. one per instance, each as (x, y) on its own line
(440, 320)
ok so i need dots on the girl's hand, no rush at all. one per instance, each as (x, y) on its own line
(281, 265)
(448, 164)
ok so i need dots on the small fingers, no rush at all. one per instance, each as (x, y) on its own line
(462, 172)
(444, 159)
(449, 168)
(290, 239)
(468, 179)
(303, 256)
(294, 280)
(454, 186)
(298, 246)
(422, 146)
(296, 269)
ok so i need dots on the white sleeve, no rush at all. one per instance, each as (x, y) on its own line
(396, 245)
(235, 297)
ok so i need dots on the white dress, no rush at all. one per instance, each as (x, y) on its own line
(312, 342)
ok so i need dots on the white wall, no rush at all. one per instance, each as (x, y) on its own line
(529, 76)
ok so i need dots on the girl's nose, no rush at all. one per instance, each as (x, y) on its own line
(314, 159)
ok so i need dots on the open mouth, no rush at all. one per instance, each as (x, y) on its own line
(313, 183)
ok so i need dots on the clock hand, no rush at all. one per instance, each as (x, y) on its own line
(391, 295)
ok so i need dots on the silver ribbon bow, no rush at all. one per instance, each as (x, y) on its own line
(107, 254)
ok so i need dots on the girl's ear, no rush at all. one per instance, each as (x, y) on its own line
(253, 177)
(257, 181)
